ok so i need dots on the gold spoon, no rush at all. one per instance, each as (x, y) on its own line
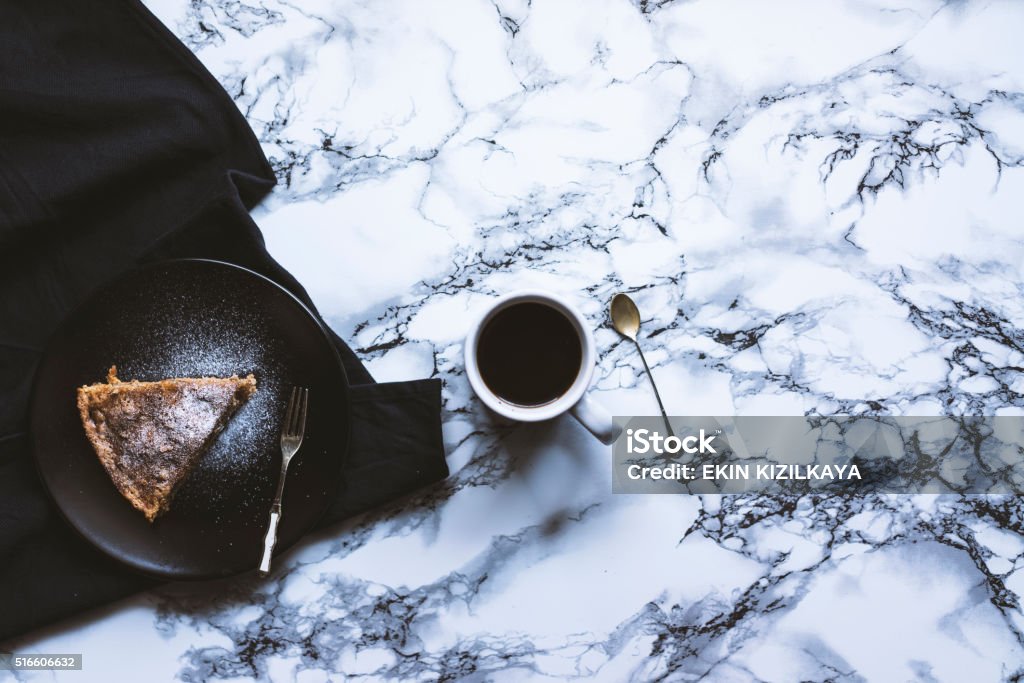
(626, 321)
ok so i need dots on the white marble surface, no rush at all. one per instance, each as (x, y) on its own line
(817, 207)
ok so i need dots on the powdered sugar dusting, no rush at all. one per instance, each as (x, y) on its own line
(187, 336)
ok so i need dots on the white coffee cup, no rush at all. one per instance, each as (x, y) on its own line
(590, 414)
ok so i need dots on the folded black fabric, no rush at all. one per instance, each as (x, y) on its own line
(117, 147)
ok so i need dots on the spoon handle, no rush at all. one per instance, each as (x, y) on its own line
(654, 386)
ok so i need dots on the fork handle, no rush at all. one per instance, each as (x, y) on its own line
(270, 540)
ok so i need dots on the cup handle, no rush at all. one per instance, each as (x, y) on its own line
(596, 419)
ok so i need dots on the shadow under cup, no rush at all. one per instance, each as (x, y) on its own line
(529, 353)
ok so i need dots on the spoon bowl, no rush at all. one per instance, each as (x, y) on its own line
(625, 316)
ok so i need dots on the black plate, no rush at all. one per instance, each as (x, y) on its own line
(194, 318)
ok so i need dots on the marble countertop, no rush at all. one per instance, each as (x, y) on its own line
(817, 207)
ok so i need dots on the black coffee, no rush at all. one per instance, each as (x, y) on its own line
(529, 354)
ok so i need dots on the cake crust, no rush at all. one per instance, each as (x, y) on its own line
(149, 436)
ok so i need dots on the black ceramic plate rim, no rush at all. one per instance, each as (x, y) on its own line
(73, 316)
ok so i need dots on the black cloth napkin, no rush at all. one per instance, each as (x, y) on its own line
(117, 147)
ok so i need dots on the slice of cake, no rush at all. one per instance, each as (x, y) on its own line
(150, 435)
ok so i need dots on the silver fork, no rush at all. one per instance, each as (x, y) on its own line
(292, 431)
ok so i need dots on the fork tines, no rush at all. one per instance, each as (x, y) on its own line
(294, 426)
